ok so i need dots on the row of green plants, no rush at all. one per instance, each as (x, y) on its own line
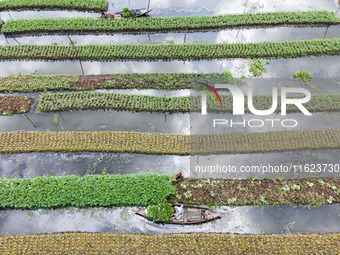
(164, 24)
(131, 142)
(193, 51)
(155, 143)
(101, 100)
(275, 141)
(166, 81)
(259, 192)
(87, 191)
(200, 243)
(24, 83)
(124, 102)
(82, 5)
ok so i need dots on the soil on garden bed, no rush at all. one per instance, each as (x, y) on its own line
(259, 191)
(91, 81)
(13, 105)
(99, 82)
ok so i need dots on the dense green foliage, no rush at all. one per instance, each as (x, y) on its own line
(200, 243)
(155, 143)
(194, 51)
(168, 81)
(303, 75)
(161, 212)
(257, 67)
(164, 24)
(84, 5)
(124, 102)
(34, 83)
(87, 191)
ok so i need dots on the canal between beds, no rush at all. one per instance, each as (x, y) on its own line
(31, 165)
(242, 220)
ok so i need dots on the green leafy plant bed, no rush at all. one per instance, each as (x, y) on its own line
(114, 101)
(160, 213)
(194, 51)
(168, 81)
(12, 105)
(82, 5)
(166, 24)
(202, 243)
(306, 191)
(87, 191)
(154, 143)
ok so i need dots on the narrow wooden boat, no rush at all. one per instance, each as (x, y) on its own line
(192, 215)
(134, 13)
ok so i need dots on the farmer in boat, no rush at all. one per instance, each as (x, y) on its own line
(179, 212)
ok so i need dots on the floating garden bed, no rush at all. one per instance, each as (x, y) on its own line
(152, 189)
(81, 5)
(306, 191)
(166, 81)
(87, 191)
(13, 105)
(152, 143)
(166, 24)
(201, 243)
(132, 142)
(139, 103)
(193, 51)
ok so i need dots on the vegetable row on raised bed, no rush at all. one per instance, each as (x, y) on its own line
(202, 243)
(194, 51)
(139, 103)
(166, 24)
(152, 189)
(87, 191)
(154, 143)
(167, 81)
(233, 192)
(82, 5)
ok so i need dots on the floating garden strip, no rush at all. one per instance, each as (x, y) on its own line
(194, 51)
(12, 105)
(166, 24)
(278, 141)
(152, 189)
(139, 103)
(153, 143)
(167, 81)
(201, 243)
(232, 192)
(81, 5)
(132, 142)
(87, 191)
